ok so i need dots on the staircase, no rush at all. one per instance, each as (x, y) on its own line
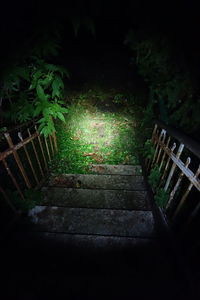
(110, 204)
(93, 237)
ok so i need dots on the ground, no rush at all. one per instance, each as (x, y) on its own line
(99, 129)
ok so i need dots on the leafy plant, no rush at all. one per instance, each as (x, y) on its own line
(48, 86)
(154, 177)
(40, 95)
(161, 197)
(148, 150)
(119, 99)
(173, 95)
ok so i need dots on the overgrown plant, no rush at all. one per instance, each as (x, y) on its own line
(160, 195)
(172, 93)
(32, 86)
(38, 94)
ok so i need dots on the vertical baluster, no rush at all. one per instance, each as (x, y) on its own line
(41, 147)
(148, 161)
(177, 184)
(162, 141)
(184, 197)
(7, 200)
(157, 147)
(12, 178)
(167, 165)
(17, 159)
(28, 157)
(55, 141)
(164, 154)
(54, 137)
(47, 147)
(180, 149)
(36, 155)
(50, 138)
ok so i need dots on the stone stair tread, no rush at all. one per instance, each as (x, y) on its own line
(90, 181)
(116, 169)
(81, 242)
(92, 221)
(96, 198)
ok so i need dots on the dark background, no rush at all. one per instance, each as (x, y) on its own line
(112, 20)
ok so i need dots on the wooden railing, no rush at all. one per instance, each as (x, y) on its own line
(177, 158)
(32, 165)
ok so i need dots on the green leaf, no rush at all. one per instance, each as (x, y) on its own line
(35, 78)
(40, 92)
(57, 86)
(60, 116)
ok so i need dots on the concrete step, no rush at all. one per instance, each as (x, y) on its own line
(109, 182)
(80, 242)
(92, 221)
(116, 169)
(96, 198)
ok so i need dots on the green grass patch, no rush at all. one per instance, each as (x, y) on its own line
(97, 131)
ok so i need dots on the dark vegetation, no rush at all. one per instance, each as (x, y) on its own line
(85, 62)
(36, 76)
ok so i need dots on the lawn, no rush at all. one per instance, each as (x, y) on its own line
(99, 129)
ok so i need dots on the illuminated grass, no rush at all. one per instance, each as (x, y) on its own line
(93, 135)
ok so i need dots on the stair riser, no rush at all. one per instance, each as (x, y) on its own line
(93, 221)
(116, 170)
(110, 199)
(107, 182)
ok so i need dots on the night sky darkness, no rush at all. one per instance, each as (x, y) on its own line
(112, 19)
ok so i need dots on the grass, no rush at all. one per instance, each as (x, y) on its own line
(97, 131)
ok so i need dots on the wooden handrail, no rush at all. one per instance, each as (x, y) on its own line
(17, 127)
(189, 143)
(168, 145)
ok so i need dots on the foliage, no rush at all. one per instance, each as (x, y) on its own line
(94, 135)
(119, 99)
(33, 85)
(35, 89)
(172, 93)
(2, 130)
(154, 177)
(160, 195)
(148, 150)
(46, 81)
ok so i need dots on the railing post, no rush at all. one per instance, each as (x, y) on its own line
(13, 178)
(55, 141)
(180, 149)
(184, 197)
(17, 159)
(41, 147)
(36, 155)
(177, 184)
(167, 164)
(28, 157)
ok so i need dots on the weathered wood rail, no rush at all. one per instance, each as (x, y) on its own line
(176, 178)
(43, 150)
